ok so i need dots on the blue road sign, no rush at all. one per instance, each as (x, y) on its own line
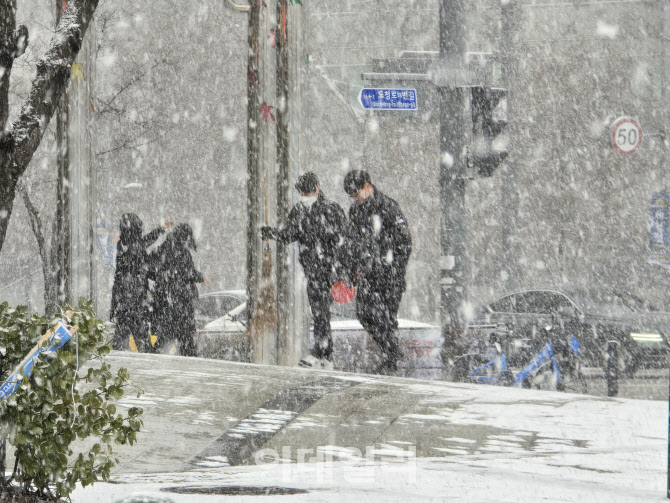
(54, 340)
(388, 99)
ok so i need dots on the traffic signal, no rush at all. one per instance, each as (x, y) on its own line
(489, 120)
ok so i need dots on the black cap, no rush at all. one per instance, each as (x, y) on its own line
(307, 183)
(355, 181)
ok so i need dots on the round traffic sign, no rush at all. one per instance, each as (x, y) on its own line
(626, 135)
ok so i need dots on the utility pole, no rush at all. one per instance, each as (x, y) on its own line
(510, 199)
(453, 163)
(252, 159)
(283, 174)
(257, 187)
(273, 147)
(81, 141)
(292, 318)
(292, 309)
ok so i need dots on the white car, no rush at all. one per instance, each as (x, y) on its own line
(354, 350)
(209, 306)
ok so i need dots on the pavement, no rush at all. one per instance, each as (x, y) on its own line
(226, 431)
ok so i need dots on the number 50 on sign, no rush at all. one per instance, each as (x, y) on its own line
(626, 135)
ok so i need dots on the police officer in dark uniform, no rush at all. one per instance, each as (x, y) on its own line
(319, 226)
(379, 249)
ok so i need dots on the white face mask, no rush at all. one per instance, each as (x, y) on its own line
(308, 201)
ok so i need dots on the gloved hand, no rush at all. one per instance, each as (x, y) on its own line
(268, 232)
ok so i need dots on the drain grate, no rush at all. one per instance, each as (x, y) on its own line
(237, 490)
(145, 499)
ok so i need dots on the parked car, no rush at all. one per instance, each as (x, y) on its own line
(642, 331)
(212, 305)
(354, 351)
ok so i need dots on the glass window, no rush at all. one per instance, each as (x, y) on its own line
(504, 305)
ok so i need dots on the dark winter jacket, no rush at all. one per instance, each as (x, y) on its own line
(131, 287)
(175, 278)
(380, 241)
(320, 231)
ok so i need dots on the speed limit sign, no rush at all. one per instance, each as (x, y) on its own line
(626, 135)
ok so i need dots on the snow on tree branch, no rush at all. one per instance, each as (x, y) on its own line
(18, 145)
(53, 73)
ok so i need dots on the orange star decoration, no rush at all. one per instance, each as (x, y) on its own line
(76, 71)
(265, 108)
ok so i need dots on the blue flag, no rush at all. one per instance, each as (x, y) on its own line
(54, 339)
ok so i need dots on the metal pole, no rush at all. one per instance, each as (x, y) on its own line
(253, 155)
(80, 134)
(662, 16)
(283, 174)
(612, 368)
(453, 162)
(91, 133)
(510, 199)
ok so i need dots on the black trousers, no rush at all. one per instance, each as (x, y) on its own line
(131, 324)
(320, 300)
(174, 318)
(377, 306)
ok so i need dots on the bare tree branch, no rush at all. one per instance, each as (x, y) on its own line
(36, 225)
(47, 254)
(7, 52)
(128, 84)
(127, 144)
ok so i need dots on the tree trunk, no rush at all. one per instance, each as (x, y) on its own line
(18, 145)
(7, 27)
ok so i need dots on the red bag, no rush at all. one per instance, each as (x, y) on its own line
(342, 293)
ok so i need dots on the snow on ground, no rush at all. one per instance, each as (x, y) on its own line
(541, 446)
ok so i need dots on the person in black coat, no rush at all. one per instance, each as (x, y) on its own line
(175, 290)
(319, 225)
(380, 246)
(130, 292)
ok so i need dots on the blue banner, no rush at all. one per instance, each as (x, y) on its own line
(106, 236)
(54, 340)
(659, 227)
(388, 99)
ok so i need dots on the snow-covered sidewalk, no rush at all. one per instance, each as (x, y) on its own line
(379, 439)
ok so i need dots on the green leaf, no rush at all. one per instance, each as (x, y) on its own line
(66, 357)
(39, 419)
